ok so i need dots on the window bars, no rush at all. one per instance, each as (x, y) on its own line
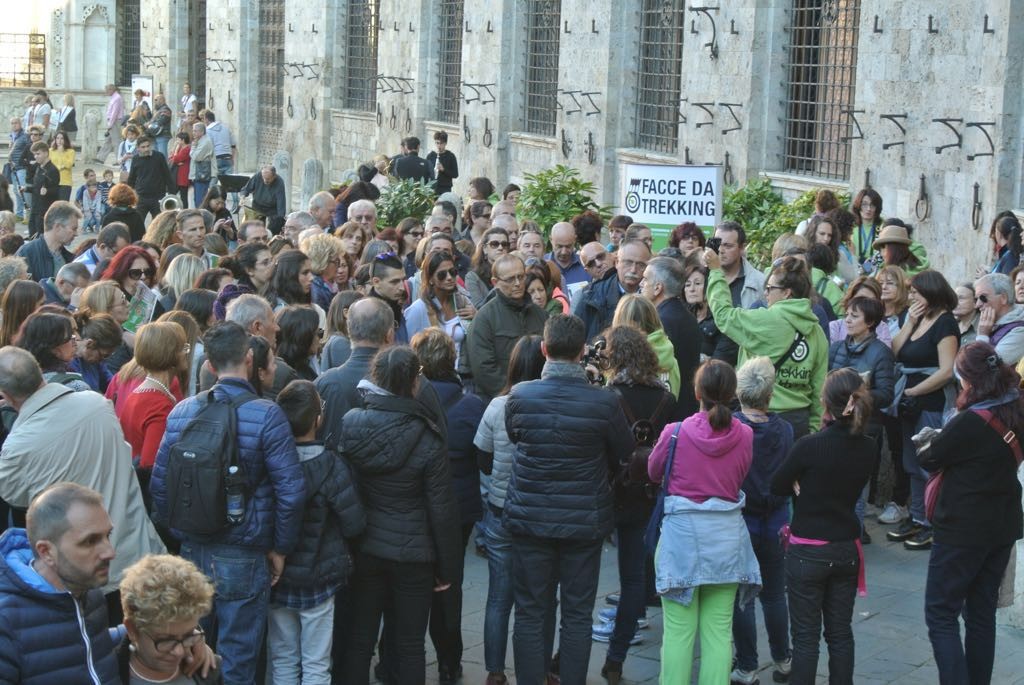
(821, 88)
(543, 19)
(197, 48)
(360, 73)
(129, 46)
(449, 60)
(22, 60)
(659, 75)
(270, 102)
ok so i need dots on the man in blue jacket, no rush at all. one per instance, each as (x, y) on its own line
(245, 559)
(569, 437)
(596, 304)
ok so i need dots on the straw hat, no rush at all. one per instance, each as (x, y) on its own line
(891, 234)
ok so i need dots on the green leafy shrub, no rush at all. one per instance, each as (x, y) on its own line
(557, 194)
(400, 199)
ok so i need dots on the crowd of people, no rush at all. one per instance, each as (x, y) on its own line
(278, 432)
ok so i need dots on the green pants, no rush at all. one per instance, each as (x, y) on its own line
(711, 612)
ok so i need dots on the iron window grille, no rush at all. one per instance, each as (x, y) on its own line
(270, 107)
(659, 75)
(360, 74)
(129, 45)
(197, 48)
(22, 60)
(449, 61)
(821, 88)
(543, 19)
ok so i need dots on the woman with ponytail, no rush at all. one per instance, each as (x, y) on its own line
(825, 473)
(1006, 232)
(977, 514)
(704, 558)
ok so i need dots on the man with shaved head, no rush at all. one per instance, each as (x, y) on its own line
(563, 254)
(508, 223)
(596, 260)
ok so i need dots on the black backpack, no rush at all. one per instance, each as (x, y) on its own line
(197, 466)
(633, 471)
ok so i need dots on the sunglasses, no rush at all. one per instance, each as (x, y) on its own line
(386, 255)
(593, 262)
(983, 298)
(136, 274)
(494, 244)
(416, 234)
(445, 274)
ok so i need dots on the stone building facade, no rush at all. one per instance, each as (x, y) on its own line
(921, 98)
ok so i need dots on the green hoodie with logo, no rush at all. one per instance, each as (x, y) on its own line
(667, 364)
(770, 332)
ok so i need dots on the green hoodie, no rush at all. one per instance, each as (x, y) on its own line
(828, 288)
(770, 332)
(667, 364)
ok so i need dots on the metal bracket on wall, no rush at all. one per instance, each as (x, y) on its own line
(408, 120)
(209, 101)
(566, 144)
(713, 43)
(727, 176)
(590, 148)
(986, 28)
(932, 25)
(867, 178)
(706, 107)
(465, 128)
(380, 116)
(922, 201)
(572, 94)
(488, 137)
(597, 110)
(231, 63)
(894, 118)
(312, 109)
(878, 26)
(976, 208)
(852, 113)
(980, 125)
(729, 106)
(393, 121)
(948, 123)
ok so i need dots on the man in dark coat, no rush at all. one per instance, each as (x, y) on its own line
(663, 285)
(569, 437)
(44, 177)
(47, 253)
(597, 302)
(410, 165)
(150, 177)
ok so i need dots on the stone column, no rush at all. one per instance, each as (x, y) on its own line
(89, 131)
(312, 180)
(283, 163)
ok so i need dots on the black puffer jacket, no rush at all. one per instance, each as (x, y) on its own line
(570, 438)
(401, 464)
(333, 512)
(874, 361)
(464, 411)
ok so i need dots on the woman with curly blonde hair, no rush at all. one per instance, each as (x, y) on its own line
(163, 598)
(325, 254)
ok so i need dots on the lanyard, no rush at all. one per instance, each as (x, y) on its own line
(862, 253)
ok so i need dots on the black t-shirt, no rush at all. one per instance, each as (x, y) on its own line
(924, 352)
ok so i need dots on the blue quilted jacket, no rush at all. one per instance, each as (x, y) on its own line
(277, 489)
(46, 636)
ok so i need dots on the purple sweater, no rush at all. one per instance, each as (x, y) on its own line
(707, 463)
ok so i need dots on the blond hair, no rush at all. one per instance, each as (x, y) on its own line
(161, 589)
(320, 249)
(637, 311)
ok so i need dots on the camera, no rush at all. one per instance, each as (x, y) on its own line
(714, 244)
(594, 361)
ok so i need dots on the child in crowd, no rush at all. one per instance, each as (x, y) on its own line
(89, 175)
(301, 620)
(93, 207)
(106, 184)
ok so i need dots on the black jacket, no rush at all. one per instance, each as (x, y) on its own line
(399, 457)
(597, 304)
(443, 180)
(681, 328)
(19, 156)
(570, 438)
(40, 177)
(40, 261)
(874, 361)
(333, 512)
(979, 502)
(151, 177)
(772, 441)
(463, 411)
(716, 344)
(130, 217)
(412, 166)
(337, 388)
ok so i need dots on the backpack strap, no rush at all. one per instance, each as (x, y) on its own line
(669, 462)
(1009, 437)
(799, 338)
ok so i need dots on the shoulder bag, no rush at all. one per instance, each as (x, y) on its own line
(653, 532)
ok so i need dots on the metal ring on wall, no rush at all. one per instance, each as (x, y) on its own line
(312, 109)
(290, 109)
(231, 103)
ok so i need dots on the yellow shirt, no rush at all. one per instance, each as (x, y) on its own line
(63, 160)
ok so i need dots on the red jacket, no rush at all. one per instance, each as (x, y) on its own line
(181, 158)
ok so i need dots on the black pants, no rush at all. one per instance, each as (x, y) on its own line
(446, 617)
(964, 580)
(147, 206)
(409, 586)
(900, 480)
(540, 567)
(822, 586)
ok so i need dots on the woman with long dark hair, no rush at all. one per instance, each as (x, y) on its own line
(489, 247)
(867, 214)
(253, 267)
(63, 157)
(825, 473)
(636, 378)
(441, 302)
(410, 548)
(264, 366)
(292, 282)
(52, 338)
(714, 343)
(1006, 232)
(21, 298)
(223, 222)
(925, 349)
(338, 347)
(298, 342)
(130, 268)
(977, 513)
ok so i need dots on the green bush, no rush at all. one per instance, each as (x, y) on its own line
(557, 194)
(765, 216)
(400, 199)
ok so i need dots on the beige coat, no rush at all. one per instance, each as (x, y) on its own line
(62, 435)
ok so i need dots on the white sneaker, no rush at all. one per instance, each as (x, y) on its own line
(782, 671)
(893, 513)
(741, 677)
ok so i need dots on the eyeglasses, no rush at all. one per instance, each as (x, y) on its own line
(593, 262)
(167, 645)
(630, 264)
(386, 255)
(416, 234)
(518, 278)
(983, 298)
(335, 261)
(445, 274)
(71, 338)
(495, 244)
(136, 274)
(768, 287)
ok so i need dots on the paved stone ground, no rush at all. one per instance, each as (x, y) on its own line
(891, 639)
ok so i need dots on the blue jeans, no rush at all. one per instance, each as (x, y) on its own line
(241, 581)
(764, 538)
(499, 591)
(632, 588)
(161, 144)
(963, 580)
(918, 476)
(199, 189)
(21, 204)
